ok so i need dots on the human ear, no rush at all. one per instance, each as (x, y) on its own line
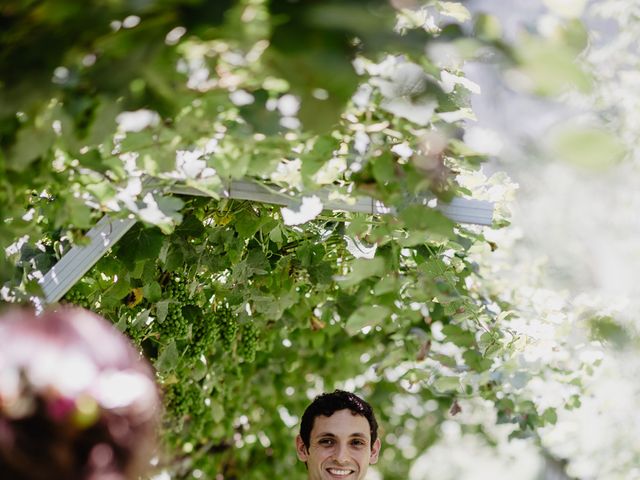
(301, 449)
(375, 451)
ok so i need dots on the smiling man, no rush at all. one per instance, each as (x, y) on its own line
(338, 437)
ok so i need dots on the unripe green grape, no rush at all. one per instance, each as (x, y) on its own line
(176, 289)
(174, 324)
(184, 398)
(204, 331)
(76, 297)
(248, 343)
(227, 325)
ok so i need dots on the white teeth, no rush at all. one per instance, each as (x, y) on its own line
(335, 471)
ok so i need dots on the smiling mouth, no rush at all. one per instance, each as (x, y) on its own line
(339, 472)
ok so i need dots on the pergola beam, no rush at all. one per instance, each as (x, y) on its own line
(106, 233)
(460, 210)
(77, 261)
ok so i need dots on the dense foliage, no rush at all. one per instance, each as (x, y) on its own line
(246, 309)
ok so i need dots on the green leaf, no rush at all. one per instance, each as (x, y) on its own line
(549, 416)
(386, 285)
(168, 358)
(174, 259)
(140, 321)
(170, 207)
(606, 329)
(445, 360)
(310, 254)
(363, 268)
(366, 316)
(104, 122)
(31, 143)
(80, 215)
(248, 223)
(102, 191)
(588, 148)
(488, 27)
(446, 384)
(217, 411)
(158, 160)
(384, 168)
(476, 361)
(149, 272)
(320, 154)
(418, 237)
(137, 141)
(576, 35)
(191, 226)
(457, 335)
(121, 324)
(162, 309)
(118, 290)
(257, 263)
(419, 111)
(416, 375)
(199, 370)
(140, 244)
(455, 10)
(419, 217)
(262, 120)
(275, 235)
(152, 291)
(273, 307)
(551, 66)
(231, 160)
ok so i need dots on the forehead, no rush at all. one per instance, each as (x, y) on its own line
(342, 423)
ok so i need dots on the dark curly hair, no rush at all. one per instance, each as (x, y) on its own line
(329, 403)
(76, 400)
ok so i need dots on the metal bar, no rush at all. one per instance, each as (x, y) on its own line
(77, 261)
(461, 210)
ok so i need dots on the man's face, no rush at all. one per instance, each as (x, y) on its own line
(339, 448)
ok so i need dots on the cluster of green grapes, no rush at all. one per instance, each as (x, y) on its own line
(185, 401)
(248, 342)
(204, 332)
(175, 324)
(76, 297)
(176, 289)
(184, 398)
(227, 325)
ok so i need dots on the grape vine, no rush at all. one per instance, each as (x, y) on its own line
(204, 333)
(76, 297)
(175, 325)
(227, 324)
(248, 341)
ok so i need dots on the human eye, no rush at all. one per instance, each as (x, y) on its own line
(358, 443)
(326, 442)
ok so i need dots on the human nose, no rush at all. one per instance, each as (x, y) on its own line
(342, 453)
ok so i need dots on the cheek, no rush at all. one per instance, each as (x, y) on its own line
(321, 454)
(363, 456)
